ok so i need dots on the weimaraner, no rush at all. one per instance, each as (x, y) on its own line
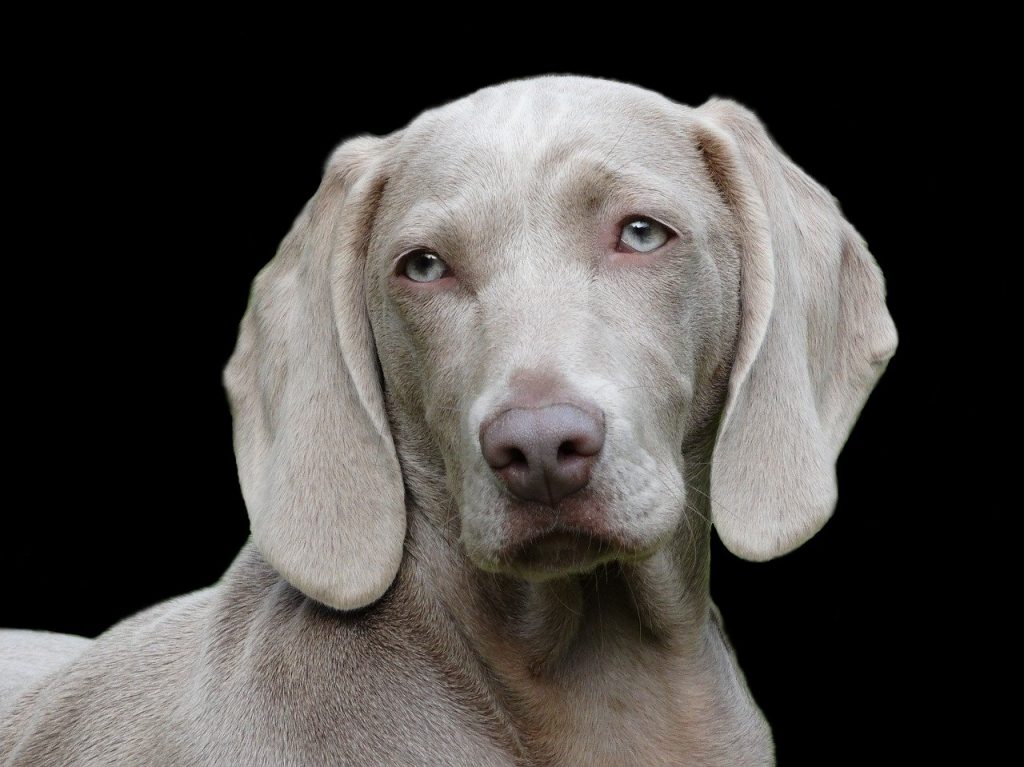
(509, 366)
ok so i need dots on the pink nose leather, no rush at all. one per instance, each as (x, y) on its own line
(545, 453)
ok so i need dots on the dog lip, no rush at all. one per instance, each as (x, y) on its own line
(559, 549)
(564, 550)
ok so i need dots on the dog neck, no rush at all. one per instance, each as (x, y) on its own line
(575, 654)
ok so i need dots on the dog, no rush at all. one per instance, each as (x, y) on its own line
(507, 369)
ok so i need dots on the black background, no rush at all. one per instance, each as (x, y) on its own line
(143, 208)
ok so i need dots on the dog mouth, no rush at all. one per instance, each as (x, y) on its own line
(576, 536)
(562, 551)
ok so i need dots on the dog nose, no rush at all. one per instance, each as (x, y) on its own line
(545, 453)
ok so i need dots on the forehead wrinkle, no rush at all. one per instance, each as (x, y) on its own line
(427, 223)
(473, 228)
(491, 169)
(587, 186)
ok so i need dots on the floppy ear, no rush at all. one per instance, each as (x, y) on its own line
(315, 456)
(813, 339)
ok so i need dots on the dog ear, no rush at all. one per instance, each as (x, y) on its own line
(316, 460)
(813, 339)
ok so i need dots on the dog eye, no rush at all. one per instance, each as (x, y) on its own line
(422, 266)
(642, 235)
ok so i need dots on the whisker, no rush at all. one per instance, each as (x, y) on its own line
(636, 606)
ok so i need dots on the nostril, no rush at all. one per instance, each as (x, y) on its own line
(567, 449)
(517, 458)
(586, 442)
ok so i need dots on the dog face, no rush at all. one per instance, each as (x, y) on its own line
(564, 289)
(559, 270)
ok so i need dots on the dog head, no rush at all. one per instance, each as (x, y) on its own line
(552, 295)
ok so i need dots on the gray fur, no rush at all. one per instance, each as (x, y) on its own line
(374, 618)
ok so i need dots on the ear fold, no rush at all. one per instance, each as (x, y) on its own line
(316, 461)
(814, 337)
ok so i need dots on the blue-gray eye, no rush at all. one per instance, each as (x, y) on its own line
(422, 266)
(643, 235)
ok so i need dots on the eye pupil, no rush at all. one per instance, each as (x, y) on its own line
(642, 228)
